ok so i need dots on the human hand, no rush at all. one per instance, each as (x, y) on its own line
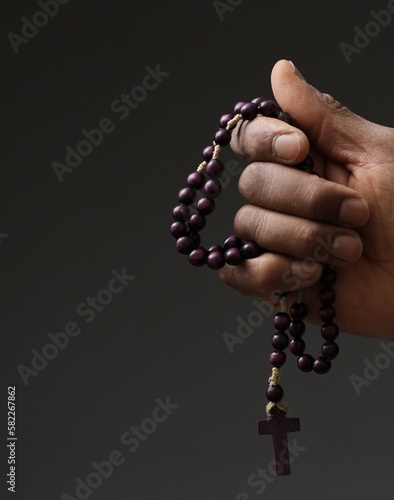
(344, 218)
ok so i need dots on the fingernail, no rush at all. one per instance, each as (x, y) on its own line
(286, 146)
(297, 72)
(348, 248)
(354, 211)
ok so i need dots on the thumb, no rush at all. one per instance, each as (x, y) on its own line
(333, 129)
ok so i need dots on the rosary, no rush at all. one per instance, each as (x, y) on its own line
(190, 218)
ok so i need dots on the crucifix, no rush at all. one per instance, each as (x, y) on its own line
(278, 425)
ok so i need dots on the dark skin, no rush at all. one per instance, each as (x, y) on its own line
(344, 218)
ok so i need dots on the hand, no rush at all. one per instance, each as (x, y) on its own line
(345, 218)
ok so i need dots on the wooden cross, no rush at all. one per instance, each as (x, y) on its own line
(278, 425)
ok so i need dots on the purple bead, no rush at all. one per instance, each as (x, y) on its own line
(216, 248)
(233, 256)
(196, 180)
(297, 328)
(181, 213)
(321, 365)
(186, 196)
(285, 117)
(297, 346)
(259, 100)
(213, 188)
(178, 229)
(185, 245)
(216, 260)
(329, 331)
(330, 350)
(205, 206)
(277, 358)
(309, 162)
(249, 111)
(208, 152)
(238, 107)
(250, 250)
(196, 222)
(329, 276)
(280, 341)
(327, 295)
(298, 310)
(225, 119)
(281, 321)
(274, 393)
(326, 313)
(305, 363)
(269, 108)
(223, 137)
(232, 241)
(215, 168)
(198, 257)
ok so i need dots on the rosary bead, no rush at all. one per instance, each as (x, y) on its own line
(223, 137)
(249, 111)
(329, 331)
(205, 206)
(278, 358)
(185, 245)
(280, 341)
(238, 107)
(321, 365)
(327, 295)
(308, 162)
(297, 328)
(269, 108)
(186, 196)
(178, 229)
(259, 100)
(281, 321)
(208, 152)
(196, 180)
(225, 119)
(305, 363)
(196, 222)
(285, 117)
(250, 250)
(330, 350)
(216, 260)
(233, 256)
(298, 310)
(216, 248)
(274, 393)
(198, 257)
(329, 276)
(297, 346)
(326, 313)
(215, 168)
(213, 188)
(232, 241)
(181, 213)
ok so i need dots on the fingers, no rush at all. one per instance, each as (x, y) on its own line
(271, 274)
(267, 139)
(298, 238)
(292, 192)
(332, 128)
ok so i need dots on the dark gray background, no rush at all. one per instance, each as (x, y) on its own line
(162, 336)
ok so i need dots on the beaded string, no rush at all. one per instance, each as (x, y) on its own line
(187, 225)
